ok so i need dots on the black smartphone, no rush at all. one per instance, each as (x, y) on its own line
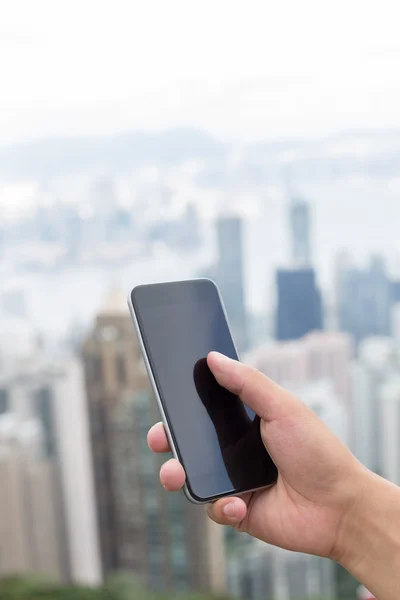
(214, 436)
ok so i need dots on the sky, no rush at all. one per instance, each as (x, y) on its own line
(243, 70)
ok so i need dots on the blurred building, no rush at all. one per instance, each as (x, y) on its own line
(377, 365)
(262, 572)
(229, 275)
(395, 317)
(300, 229)
(299, 304)
(395, 290)
(30, 503)
(318, 355)
(364, 300)
(13, 303)
(58, 470)
(389, 397)
(165, 540)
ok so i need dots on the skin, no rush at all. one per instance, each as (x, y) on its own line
(324, 503)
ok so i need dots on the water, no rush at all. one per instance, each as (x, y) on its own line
(361, 218)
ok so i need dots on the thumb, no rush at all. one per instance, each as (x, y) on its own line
(265, 397)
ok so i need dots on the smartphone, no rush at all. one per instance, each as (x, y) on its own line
(211, 432)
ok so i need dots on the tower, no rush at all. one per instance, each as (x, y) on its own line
(299, 303)
(299, 214)
(230, 275)
(164, 540)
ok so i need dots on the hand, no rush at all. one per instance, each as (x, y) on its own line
(239, 436)
(318, 482)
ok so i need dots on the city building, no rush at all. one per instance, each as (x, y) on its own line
(162, 537)
(299, 303)
(318, 369)
(377, 364)
(228, 273)
(318, 355)
(13, 303)
(298, 299)
(395, 329)
(395, 290)
(50, 394)
(300, 228)
(167, 542)
(389, 396)
(262, 572)
(364, 300)
(30, 503)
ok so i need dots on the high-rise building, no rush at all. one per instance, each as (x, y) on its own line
(300, 233)
(390, 422)
(365, 300)
(51, 396)
(107, 355)
(230, 275)
(261, 572)
(395, 290)
(320, 355)
(299, 304)
(162, 538)
(377, 363)
(30, 539)
(395, 318)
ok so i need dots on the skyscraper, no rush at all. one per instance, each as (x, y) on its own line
(395, 291)
(300, 232)
(162, 538)
(390, 420)
(377, 365)
(364, 300)
(165, 540)
(46, 403)
(229, 275)
(299, 304)
(30, 503)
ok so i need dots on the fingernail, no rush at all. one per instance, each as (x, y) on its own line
(230, 510)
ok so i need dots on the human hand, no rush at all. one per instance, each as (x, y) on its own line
(319, 479)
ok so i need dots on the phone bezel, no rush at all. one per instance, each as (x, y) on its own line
(169, 427)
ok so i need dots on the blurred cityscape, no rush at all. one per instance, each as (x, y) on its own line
(302, 239)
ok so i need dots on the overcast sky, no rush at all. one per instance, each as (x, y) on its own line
(242, 70)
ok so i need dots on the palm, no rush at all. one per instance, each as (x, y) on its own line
(302, 512)
(282, 517)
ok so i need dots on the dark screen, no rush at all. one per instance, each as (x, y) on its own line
(217, 438)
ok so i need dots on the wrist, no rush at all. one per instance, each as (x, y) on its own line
(368, 543)
(350, 529)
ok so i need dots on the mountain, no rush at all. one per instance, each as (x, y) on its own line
(376, 153)
(114, 153)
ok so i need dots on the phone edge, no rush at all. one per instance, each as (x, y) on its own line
(157, 397)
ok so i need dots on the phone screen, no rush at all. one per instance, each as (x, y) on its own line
(217, 438)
